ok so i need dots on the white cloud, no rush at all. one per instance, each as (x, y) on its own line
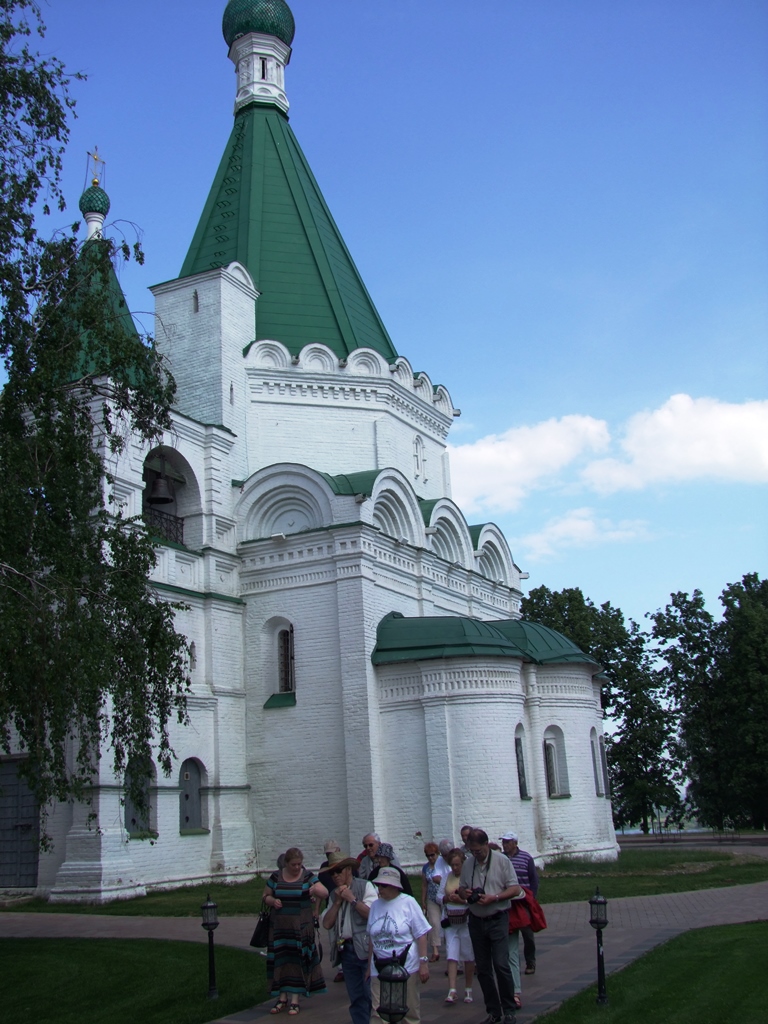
(688, 439)
(499, 470)
(578, 528)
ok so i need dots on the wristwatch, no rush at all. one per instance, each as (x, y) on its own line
(424, 959)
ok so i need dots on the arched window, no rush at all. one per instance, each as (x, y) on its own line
(555, 764)
(286, 673)
(522, 782)
(604, 766)
(139, 815)
(190, 797)
(419, 459)
(597, 770)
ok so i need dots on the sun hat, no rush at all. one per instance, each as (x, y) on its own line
(385, 850)
(388, 876)
(337, 862)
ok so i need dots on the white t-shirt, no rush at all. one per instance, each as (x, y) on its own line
(392, 925)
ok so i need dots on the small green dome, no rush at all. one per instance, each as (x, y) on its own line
(94, 200)
(268, 17)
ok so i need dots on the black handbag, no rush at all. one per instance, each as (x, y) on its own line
(260, 937)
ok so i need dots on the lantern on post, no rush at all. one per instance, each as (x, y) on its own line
(393, 979)
(598, 918)
(211, 923)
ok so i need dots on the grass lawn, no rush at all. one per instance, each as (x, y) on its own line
(124, 981)
(635, 873)
(707, 976)
(647, 872)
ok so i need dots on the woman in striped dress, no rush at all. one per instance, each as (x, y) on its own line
(293, 961)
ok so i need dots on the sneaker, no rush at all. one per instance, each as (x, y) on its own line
(509, 1018)
(530, 968)
(490, 1019)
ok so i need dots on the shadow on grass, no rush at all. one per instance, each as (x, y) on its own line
(707, 976)
(124, 981)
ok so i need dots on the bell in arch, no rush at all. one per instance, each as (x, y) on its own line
(160, 492)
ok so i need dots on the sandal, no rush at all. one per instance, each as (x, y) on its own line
(293, 1009)
(517, 1001)
(434, 958)
(452, 997)
(279, 1006)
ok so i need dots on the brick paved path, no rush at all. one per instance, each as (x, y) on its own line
(566, 951)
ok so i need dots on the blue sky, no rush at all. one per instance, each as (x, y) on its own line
(561, 212)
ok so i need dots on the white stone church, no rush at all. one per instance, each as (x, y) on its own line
(359, 660)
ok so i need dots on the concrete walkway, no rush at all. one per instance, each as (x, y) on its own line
(566, 951)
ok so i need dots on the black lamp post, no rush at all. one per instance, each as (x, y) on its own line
(598, 918)
(211, 923)
(393, 979)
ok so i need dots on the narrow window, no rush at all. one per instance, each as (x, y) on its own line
(263, 69)
(195, 302)
(285, 662)
(604, 766)
(550, 765)
(596, 771)
(190, 802)
(137, 815)
(521, 781)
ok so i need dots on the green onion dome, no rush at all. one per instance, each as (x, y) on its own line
(94, 200)
(268, 17)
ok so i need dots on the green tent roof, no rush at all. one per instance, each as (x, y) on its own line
(399, 639)
(541, 644)
(266, 210)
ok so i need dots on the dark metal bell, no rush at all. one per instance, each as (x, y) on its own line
(160, 492)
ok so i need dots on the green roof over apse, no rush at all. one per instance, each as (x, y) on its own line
(266, 210)
(353, 483)
(541, 644)
(401, 639)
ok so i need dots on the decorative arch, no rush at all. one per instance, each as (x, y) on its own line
(319, 358)
(283, 499)
(555, 763)
(269, 354)
(366, 362)
(442, 400)
(402, 372)
(493, 559)
(452, 540)
(396, 509)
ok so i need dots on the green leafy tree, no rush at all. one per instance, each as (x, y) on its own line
(89, 656)
(717, 675)
(641, 761)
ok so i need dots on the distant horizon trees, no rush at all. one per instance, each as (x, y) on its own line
(689, 699)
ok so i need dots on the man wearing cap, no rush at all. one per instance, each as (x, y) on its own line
(346, 918)
(397, 924)
(488, 883)
(527, 875)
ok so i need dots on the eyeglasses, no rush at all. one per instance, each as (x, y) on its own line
(370, 846)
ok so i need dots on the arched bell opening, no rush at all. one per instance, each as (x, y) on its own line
(171, 496)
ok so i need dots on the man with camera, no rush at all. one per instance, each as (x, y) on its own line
(488, 884)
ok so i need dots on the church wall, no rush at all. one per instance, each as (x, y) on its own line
(345, 424)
